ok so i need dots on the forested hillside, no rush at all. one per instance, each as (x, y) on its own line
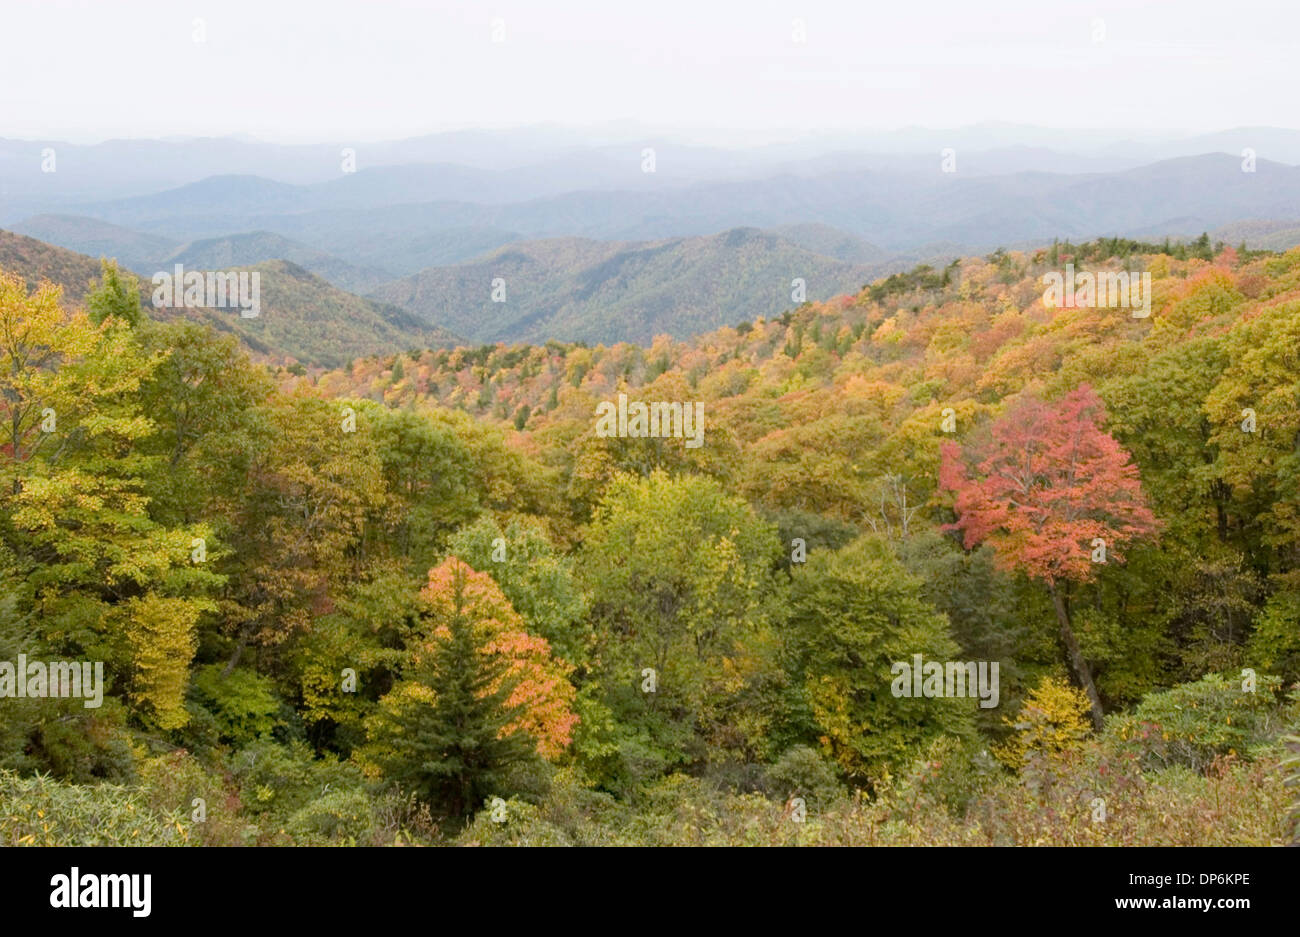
(595, 290)
(424, 598)
(303, 319)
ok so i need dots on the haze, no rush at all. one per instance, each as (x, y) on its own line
(726, 72)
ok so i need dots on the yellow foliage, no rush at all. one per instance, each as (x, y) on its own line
(161, 631)
(1053, 720)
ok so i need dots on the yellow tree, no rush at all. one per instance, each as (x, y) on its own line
(97, 574)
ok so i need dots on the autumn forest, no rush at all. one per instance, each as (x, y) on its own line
(428, 598)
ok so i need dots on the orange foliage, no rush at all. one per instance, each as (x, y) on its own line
(542, 687)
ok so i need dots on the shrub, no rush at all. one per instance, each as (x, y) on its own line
(950, 775)
(1053, 720)
(1194, 723)
(339, 818)
(521, 824)
(40, 811)
(174, 780)
(804, 772)
(1291, 765)
(282, 779)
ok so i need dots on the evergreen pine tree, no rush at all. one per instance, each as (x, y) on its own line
(448, 743)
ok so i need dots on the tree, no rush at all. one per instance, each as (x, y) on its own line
(678, 572)
(429, 474)
(1255, 413)
(98, 574)
(116, 295)
(36, 339)
(853, 614)
(1052, 485)
(314, 488)
(203, 398)
(538, 580)
(1157, 415)
(480, 697)
(1052, 721)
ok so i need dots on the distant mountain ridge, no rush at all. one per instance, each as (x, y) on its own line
(895, 210)
(303, 318)
(559, 158)
(135, 250)
(602, 291)
(597, 243)
(239, 250)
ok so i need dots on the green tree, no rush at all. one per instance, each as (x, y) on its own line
(116, 295)
(853, 614)
(449, 732)
(678, 572)
(203, 398)
(539, 581)
(429, 473)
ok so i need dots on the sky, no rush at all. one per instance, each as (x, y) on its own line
(721, 70)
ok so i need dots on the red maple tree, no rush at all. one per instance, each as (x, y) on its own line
(1051, 483)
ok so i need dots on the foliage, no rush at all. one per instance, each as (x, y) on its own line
(1194, 723)
(1052, 483)
(539, 581)
(40, 811)
(804, 772)
(1052, 721)
(1057, 498)
(339, 818)
(242, 702)
(853, 615)
(481, 696)
(676, 570)
(354, 606)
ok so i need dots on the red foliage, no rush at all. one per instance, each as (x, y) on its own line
(1052, 480)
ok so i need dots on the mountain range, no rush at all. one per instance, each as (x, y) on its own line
(598, 238)
(303, 318)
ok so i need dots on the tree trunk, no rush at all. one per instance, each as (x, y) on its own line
(234, 658)
(1078, 664)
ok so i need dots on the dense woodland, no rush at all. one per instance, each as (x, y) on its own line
(418, 600)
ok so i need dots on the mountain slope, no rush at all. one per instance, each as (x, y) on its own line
(305, 318)
(598, 291)
(239, 250)
(34, 261)
(1278, 235)
(135, 250)
(302, 317)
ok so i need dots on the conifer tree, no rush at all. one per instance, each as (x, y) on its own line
(116, 295)
(451, 732)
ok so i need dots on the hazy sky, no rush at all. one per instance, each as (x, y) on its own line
(328, 70)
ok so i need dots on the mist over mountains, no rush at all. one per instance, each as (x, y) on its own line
(601, 236)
